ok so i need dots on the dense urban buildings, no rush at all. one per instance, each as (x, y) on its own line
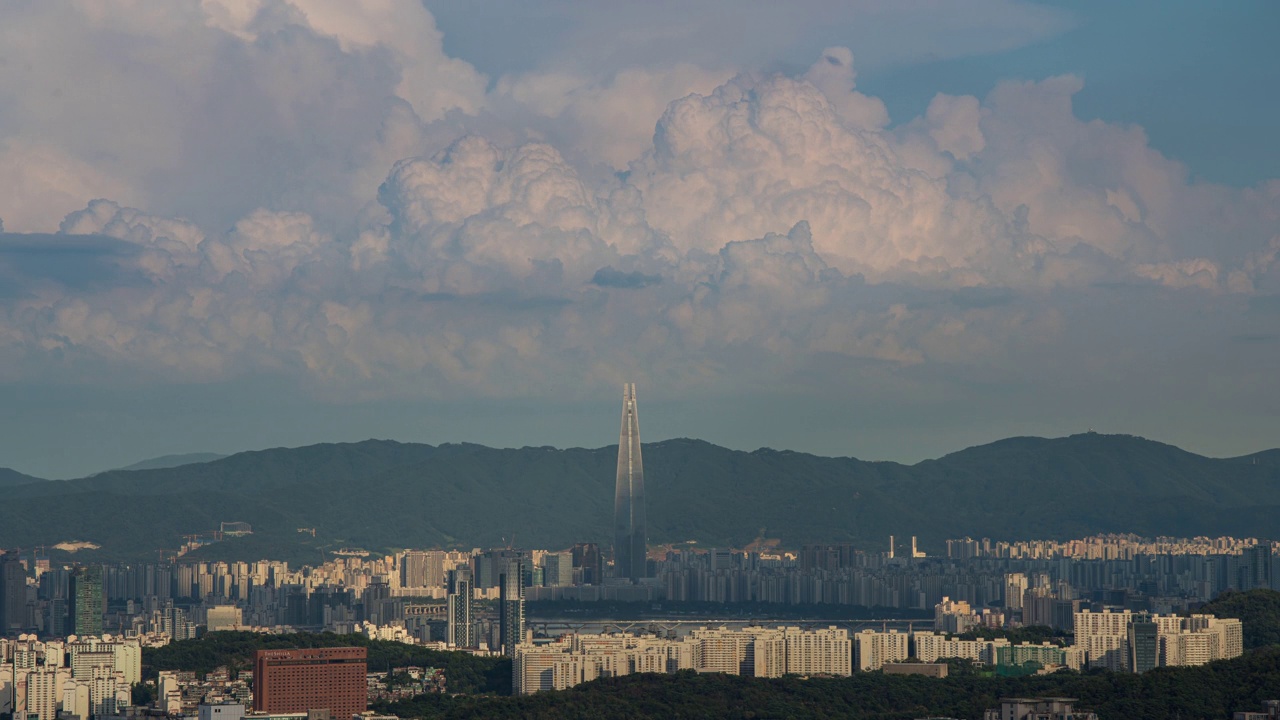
(291, 681)
(458, 604)
(629, 531)
(87, 676)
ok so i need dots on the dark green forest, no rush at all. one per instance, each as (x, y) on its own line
(1210, 691)
(1258, 611)
(465, 673)
(462, 495)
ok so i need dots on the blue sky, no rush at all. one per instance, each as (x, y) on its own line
(882, 229)
(1193, 75)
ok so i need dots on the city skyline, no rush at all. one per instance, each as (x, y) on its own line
(958, 323)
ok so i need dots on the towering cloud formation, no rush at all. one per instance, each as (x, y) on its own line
(372, 215)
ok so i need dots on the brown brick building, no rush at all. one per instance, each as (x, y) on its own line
(333, 679)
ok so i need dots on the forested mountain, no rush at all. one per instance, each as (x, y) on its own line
(379, 494)
(13, 477)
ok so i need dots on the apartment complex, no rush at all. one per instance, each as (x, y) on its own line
(1137, 642)
(752, 651)
(1117, 641)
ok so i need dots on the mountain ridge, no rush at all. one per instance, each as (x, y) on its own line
(170, 461)
(380, 494)
(10, 477)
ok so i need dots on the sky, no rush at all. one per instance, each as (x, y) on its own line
(889, 230)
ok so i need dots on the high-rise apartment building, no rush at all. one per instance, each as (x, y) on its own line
(293, 681)
(511, 607)
(871, 649)
(42, 694)
(1015, 586)
(1255, 567)
(461, 630)
(629, 539)
(86, 601)
(422, 569)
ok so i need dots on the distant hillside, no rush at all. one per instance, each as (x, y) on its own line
(1266, 457)
(13, 477)
(1258, 611)
(380, 494)
(171, 461)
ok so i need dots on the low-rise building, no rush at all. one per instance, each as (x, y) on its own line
(1040, 708)
(938, 670)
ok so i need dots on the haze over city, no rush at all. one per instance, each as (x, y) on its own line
(887, 230)
(953, 327)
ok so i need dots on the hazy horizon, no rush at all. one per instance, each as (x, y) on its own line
(222, 454)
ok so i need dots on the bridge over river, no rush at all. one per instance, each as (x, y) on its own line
(680, 626)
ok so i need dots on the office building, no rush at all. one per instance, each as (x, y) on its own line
(86, 601)
(13, 594)
(511, 607)
(629, 539)
(1144, 643)
(293, 681)
(557, 569)
(588, 563)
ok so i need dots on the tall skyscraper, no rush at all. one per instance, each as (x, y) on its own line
(86, 601)
(511, 607)
(629, 540)
(13, 594)
(461, 630)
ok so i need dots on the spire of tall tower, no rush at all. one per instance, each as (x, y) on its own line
(629, 539)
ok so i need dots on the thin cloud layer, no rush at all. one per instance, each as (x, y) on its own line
(381, 220)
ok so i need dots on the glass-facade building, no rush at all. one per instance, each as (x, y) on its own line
(629, 539)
